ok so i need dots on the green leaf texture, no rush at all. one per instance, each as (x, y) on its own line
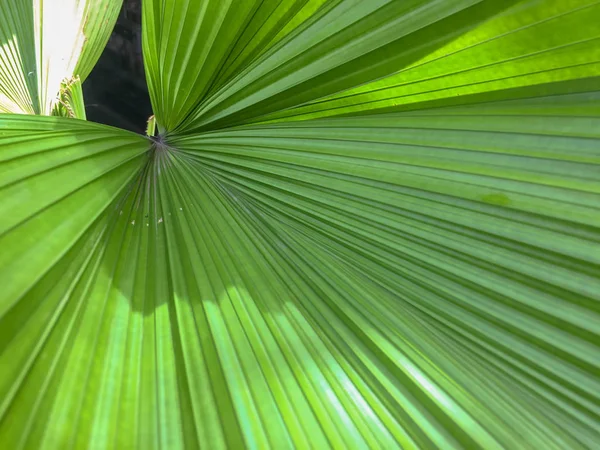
(70, 102)
(363, 225)
(355, 56)
(43, 42)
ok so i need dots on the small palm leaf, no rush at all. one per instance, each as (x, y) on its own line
(70, 100)
(45, 42)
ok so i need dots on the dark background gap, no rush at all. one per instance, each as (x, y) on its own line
(115, 92)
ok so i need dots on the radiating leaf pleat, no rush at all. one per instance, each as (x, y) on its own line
(475, 220)
(362, 224)
(433, 284)
(19, 91)
(356, 57)
(531, 46)
(191, 48)
(57, 177)
(189, 44)
(43, 42)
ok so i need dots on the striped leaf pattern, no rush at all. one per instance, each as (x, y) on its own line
(362, 225)
(44, 42)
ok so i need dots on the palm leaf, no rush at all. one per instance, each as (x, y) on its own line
(362, 225)
(45, 42)
(70, 101)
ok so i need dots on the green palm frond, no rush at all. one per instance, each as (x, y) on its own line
(45, 42)
(70, 101)
(361, 225)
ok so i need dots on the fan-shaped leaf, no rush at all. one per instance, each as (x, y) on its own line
(414, 264)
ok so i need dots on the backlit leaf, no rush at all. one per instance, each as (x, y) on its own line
(44, 42)
(363, 224)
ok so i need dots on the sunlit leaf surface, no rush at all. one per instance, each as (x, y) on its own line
(44, 42)
(364, 224)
